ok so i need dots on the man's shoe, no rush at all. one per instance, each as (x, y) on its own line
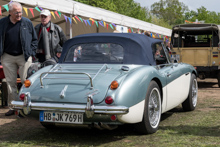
(10, 112)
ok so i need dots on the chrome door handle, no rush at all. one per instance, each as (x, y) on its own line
(168, 75)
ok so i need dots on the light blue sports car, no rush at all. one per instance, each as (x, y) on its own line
(105, 80)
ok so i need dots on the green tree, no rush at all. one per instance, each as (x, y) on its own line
(203, 14)
(171, 11)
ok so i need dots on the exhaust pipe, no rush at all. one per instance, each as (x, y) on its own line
(96, 125)
(108, 126)
(102, 126)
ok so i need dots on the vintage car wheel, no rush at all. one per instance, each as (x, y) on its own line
(48, 125)
(152, 110)
(190, 103)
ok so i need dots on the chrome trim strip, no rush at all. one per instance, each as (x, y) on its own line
(117, 110)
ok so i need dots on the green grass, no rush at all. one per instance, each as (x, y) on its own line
(177, 129)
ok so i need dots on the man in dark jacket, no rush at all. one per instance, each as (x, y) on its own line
(50, 38)
(18, 43)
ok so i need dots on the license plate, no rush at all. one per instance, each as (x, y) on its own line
(61, 117)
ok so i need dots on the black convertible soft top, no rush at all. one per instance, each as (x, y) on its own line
(137, 47)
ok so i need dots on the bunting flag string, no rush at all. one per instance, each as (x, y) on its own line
(58, 14)
(76, 18)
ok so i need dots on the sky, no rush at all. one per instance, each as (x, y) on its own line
(210, 5)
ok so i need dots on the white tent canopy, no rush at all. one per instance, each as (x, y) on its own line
(75, 8)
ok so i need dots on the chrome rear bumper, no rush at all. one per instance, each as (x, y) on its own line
(71, 107)
(89, 109)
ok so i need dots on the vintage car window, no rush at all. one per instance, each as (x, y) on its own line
(95, 53)
(159, 54)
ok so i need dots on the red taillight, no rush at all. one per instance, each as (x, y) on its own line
(195, 67)
(109, 100)
(22, 96)
(113, 117)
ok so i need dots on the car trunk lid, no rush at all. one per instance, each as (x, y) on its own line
(73, 83)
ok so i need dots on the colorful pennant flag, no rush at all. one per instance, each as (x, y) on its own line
(104, 24)
(25, 9)
(57, 14)
(41, 8)
(107, 26)
(70, 20)
(37, 9)
(75, 20)
(6, 7)
(85, 21)
(80, 19)
(53, 14)
(65, 17)
(97, 24)
(32, 12)
(88, 22)
(111, 26)
(101, 24)
(92, 20)
(132, 30)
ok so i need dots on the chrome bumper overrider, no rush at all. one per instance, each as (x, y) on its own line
(89, 109)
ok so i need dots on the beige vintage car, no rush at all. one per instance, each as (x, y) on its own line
(198, 45)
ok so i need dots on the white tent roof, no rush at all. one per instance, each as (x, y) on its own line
(76, 8)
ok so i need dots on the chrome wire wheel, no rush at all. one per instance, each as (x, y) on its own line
(154, 108)
(194, 92)
(190, 103)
